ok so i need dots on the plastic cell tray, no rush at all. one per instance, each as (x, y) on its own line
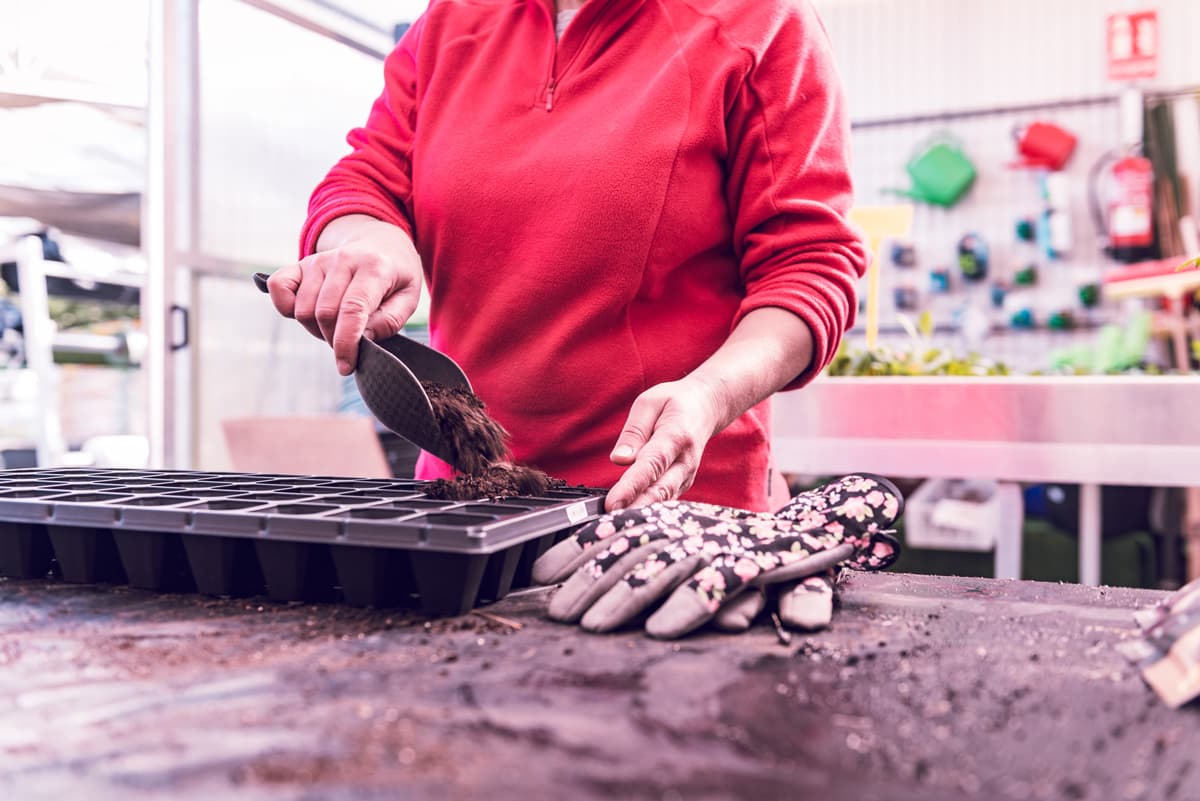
(368, 542)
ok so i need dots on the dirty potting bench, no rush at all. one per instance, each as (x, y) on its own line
(925, 688)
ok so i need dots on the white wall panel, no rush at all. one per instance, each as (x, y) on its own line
(907, 57)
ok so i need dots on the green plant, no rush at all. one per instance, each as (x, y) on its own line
(923, 358)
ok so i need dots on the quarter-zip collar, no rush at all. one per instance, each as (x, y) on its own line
(594, 25)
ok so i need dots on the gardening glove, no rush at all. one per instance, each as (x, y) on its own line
(672, 519)
(806, 604)
(780, 559)
(644, 561)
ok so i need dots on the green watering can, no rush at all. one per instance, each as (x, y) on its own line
(940, 172)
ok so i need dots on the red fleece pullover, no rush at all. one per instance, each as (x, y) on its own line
(596, 214)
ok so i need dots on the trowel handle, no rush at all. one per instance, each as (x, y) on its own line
(424, 362)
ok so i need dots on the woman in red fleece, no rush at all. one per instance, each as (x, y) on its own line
(633, 232)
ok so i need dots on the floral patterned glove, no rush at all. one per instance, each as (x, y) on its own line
(808, 603)
(716, 557)
(569, 555)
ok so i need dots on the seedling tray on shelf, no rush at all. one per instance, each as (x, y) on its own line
(369, 542)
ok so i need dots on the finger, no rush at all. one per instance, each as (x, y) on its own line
(639, 426)
(738, 614)
(651, 464)
(674, 482)
(305, 307)
(338, 277)
(393, 313)
(282, 286)
(646, 582)
(808, 603)
(362, 297)
(594, 579)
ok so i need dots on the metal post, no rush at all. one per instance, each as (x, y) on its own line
(170, 120)
(1089, 534)
(39, 349)
(1009, 541)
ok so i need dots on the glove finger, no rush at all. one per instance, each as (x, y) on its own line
(646, 583)
(594, 579)
(696, 601)
(565, 557)
(739, 613)
(807, 566)
(585, 544)
(808, 603)
(718, 584)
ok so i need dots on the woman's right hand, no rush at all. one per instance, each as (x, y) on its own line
(364, 280)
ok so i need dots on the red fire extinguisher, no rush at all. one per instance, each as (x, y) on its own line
(1122, 199)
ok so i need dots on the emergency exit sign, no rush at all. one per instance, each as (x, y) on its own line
(1132, 45)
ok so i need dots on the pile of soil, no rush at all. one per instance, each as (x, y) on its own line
(479, 446)
(498, 480)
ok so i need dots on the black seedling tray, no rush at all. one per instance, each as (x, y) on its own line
(369, 542)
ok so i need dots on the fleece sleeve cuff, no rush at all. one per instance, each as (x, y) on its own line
(326, 211)
(821, 304)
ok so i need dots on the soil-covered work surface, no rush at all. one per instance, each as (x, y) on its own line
(925, 688)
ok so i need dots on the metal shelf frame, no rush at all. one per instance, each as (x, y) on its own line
(1136, 430)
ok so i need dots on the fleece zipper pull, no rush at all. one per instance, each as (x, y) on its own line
(550, 96)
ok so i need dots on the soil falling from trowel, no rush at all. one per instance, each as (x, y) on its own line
(475, 439)
(480, 449)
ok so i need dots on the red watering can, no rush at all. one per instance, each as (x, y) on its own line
(1044, 145)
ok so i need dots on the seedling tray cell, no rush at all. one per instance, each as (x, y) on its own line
(86, 555)
(24, 550)
(366, 542)
(154, 560)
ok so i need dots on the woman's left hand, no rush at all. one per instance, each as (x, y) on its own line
(662, 441)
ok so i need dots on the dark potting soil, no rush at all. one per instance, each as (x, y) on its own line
(480, 446)
(498, 480)
(475, 438)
